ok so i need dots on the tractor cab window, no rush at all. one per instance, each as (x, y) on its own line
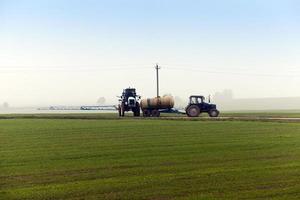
(196, 100)
(193, 100)
(200, 100)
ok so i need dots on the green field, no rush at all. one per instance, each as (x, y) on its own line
(147, 159)
(242, 114)
(263, 114)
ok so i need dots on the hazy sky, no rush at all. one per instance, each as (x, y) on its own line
(72, 52)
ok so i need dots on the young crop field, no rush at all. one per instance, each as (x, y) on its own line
(148, 159)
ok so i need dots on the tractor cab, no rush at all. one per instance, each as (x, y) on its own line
(196, 99)
(197, 105)
(129, 92)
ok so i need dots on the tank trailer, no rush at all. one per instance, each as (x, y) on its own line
(151, 107)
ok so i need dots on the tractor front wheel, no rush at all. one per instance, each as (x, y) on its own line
(193, 111)
(213, 113)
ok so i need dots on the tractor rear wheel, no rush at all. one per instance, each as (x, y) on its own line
(155, 113)
(120, 111)
(136, 112)
(213, 113)
(193, 111)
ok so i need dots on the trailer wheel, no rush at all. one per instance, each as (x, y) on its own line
(213, 113)
(193, 111)
(155, 113)
(146, 113)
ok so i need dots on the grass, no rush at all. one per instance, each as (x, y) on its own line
(148, 159)
(246, 115)
(263, 114)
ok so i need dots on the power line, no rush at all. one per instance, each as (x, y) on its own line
(217, 68)
(233, 73)
(73, 69)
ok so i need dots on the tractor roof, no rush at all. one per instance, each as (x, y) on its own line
(130, 89)
(197, 96)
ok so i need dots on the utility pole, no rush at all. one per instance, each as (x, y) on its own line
(157, 80)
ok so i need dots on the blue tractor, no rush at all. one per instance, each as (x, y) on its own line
(129, 101)
(197, 105)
